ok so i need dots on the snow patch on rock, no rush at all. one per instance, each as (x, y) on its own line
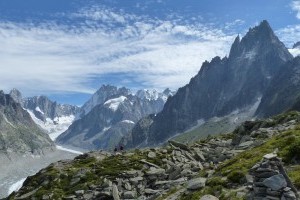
(16, 186)
(39, 110)
(128, 121)
(114, 104)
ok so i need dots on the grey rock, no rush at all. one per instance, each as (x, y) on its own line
(88, 196)
(246, 144)
(155, 172)
(199, 156)
(151, 154)
(151, 191)
(209, 197)
(270, 156)
(79, 192)
(127, 186)
(115, 192)
(129, 195)
(179, 145)
(290, 195)
(275, 182)
(136, 180)
(131, 173)
(71, 197)
(196, 183)
(149, 163)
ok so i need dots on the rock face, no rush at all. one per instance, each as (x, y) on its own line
(18, 132)
(43, 108)
(223, 85)
(271, 180)
(282, 94)
(114, 114)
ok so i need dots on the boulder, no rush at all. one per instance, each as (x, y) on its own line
(209, 197)
(179, 145)
(275, 182)
(151, 191)
(151, 154)
(155, 172)
(270, 156)
(129, 195)
(196, 183)
(115, 192)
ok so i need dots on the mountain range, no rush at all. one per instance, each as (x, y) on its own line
(109, 115)
(51, 116)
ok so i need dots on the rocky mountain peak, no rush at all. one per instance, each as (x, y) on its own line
(259, 40)
(16, 95)
(104, 93)
(168, 92)
(6, 99)
(296, 45)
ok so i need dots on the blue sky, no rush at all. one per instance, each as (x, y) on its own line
(67, 49)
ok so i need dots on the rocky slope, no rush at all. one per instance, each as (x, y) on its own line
(18, 132)
(227, 167)
(109, 115)
(223, 86)
(53, 117)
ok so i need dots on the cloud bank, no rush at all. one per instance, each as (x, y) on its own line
(53, 58)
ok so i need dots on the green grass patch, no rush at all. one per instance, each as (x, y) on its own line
(287, 143)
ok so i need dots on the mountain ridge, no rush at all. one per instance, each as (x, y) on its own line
(113, 115)
(224, 84)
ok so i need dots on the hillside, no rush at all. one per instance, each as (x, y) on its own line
(217, 166)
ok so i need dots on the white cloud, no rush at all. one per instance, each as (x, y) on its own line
(289, 35)
(296, 7)
(55, 58)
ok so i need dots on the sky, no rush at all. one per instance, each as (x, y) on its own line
(66, 49)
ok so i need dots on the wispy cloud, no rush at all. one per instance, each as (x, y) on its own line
(54, 58)
(296, 7)
(289, 34)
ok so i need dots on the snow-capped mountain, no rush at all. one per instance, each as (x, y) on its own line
(112, 114)
(53, 117)
(100, 96)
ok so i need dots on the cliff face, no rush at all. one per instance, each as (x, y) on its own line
(283, 93)
(18, 132)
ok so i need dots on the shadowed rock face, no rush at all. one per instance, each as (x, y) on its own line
(283, 93)
(223, 85)
(18, 132)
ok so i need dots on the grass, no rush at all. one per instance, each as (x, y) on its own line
(294, 174)
(244, 161)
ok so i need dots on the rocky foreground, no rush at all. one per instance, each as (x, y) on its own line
(229, 166)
